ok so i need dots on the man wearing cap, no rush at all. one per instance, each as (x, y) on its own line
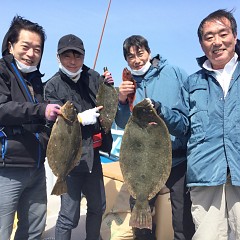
(79, 84)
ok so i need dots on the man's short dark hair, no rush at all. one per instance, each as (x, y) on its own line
(218, 15)
(19, 23)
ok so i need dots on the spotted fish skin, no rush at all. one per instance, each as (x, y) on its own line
(145, 160)
(64, 147)
(127, 76)
(107, 97)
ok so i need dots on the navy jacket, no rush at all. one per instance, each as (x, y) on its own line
(24, 139)
(60, 88)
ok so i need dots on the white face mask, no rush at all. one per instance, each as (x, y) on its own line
(141, 71)
(25, 68)
(74, 76)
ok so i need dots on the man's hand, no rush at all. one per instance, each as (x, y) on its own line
(125, 88)
(108, 78)
(52, 111)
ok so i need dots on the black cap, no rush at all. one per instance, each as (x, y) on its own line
(70, 42)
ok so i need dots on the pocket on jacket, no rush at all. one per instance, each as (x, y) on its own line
(199, 121)
(198, 114)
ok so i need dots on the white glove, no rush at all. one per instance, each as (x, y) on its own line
(150, 101)
(89, 116)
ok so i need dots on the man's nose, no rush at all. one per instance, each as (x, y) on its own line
(73, 60)
(217, 40)
(137, 60)
(30, 52)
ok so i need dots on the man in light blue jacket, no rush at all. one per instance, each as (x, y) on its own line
(209, 109)
(158, 80)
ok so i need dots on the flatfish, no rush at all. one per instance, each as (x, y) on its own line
(107, 97)
(64, 147)
(145, 159)
(127, 76)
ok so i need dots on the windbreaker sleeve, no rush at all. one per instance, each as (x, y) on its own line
(176, 118)
(122, 116)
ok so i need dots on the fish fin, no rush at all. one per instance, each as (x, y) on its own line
(59, 188)
(141, 217)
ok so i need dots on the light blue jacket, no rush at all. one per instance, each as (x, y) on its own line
(214, 125)
(161, 83)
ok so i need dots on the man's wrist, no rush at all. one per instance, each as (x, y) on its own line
(123, 101)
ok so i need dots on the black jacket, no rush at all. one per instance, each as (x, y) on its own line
(22, 117)
(60, 88)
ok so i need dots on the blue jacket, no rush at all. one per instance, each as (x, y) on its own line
(161, 83)
(214, 125)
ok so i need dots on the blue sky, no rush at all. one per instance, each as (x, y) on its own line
(170, 27)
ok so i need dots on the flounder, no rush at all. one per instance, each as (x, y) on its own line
(107, 97)
(145, 160)
(65, 146)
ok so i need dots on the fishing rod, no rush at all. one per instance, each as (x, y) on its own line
(100, 41)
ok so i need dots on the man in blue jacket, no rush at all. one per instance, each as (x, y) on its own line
(159, 81)
(209, 109)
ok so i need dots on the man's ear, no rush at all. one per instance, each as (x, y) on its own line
(10, 48)
(58, 58)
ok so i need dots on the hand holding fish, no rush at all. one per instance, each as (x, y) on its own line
(108, 78)
(125, 88)
(52, 111)
(89, 116)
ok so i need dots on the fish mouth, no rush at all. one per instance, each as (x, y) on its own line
(68, 119)
(152, 123)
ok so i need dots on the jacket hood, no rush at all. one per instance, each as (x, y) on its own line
(158, 61)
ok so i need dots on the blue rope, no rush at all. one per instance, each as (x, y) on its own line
(23, 83)
(32, 100)
(4, 148)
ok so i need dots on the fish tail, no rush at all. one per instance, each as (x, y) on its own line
(130, 102)
(141, 218)
(59, 188)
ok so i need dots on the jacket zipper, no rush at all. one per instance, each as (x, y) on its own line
(145, 88)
